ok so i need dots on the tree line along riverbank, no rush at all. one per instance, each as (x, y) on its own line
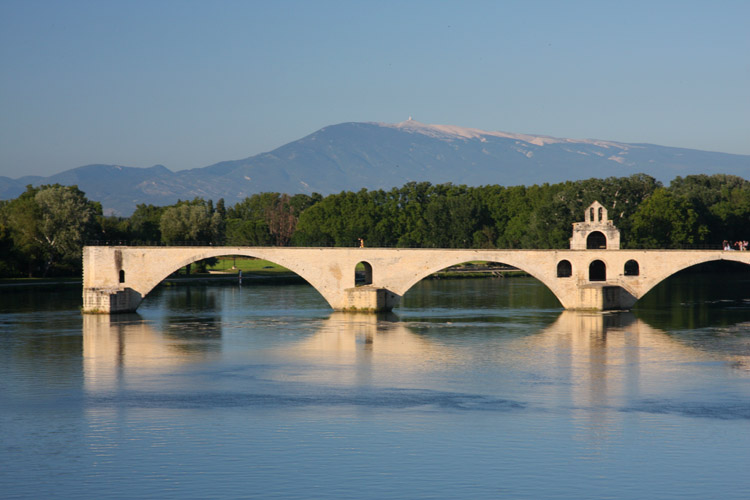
(43, 230)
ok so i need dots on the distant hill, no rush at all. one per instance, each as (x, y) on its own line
(352, 156)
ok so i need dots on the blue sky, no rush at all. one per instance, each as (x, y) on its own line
(187, 84)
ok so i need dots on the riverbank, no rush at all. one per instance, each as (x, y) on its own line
(247, 278)
(39, 282)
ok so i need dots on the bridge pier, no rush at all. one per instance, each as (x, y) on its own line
(104, 300)
(370, 299)
(603, 297)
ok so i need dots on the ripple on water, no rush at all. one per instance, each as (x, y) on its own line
(381, 399)
(720, 411)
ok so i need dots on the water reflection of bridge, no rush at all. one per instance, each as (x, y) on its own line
(122, 346)
(599, 356)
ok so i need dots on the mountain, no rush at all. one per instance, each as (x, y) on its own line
(351, 156)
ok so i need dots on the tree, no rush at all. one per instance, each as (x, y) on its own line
(20, 218)
(219, 221)
(49, 225)
(66, 220)
(281, 219)
(8, 254)
(190, 222)
(247, 221)
(665, 220)
(247, 233)
(720, 201)
(145, 223)
(114, 230)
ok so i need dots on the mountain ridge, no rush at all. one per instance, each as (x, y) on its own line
(372, 155)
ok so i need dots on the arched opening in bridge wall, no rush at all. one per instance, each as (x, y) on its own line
(122, 276)
(564, 269)
(596, 241)
(475, 290)
(597, 271)
(363, 274)
(263, 283)
(632, 268)
(711, 293)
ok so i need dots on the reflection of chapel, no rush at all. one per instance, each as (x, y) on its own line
(596, 231)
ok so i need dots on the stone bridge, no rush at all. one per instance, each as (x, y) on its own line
(116, 279)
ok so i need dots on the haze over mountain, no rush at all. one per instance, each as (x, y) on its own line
(352, 156)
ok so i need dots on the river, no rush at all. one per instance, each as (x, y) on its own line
(470, 389)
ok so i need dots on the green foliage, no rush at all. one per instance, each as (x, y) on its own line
(721, 202)
(267, 218)
(115, 229)
(48, 226)
(145, 223)
(66, 220)
(666, 220)
(194, 222)
(247, 233)
(19, 217)
(9, 258)
(43, 229)
(449, 216)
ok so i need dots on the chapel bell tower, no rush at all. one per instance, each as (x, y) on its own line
(596, 232)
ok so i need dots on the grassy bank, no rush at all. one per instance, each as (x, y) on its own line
(478, 269)
(478, 274)
(227, 269)
(229, 265)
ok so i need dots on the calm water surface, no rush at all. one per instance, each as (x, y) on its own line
(471, 389)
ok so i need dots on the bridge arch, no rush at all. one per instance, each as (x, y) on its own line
(729, 256)
(162, 269)
(539, 272)
(711, 286)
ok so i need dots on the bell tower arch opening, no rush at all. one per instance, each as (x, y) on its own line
(596, 241)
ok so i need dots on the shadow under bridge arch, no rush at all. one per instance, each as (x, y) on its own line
(723, 273)
(440, 265)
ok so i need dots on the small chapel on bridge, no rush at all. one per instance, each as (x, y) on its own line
(596, 232)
